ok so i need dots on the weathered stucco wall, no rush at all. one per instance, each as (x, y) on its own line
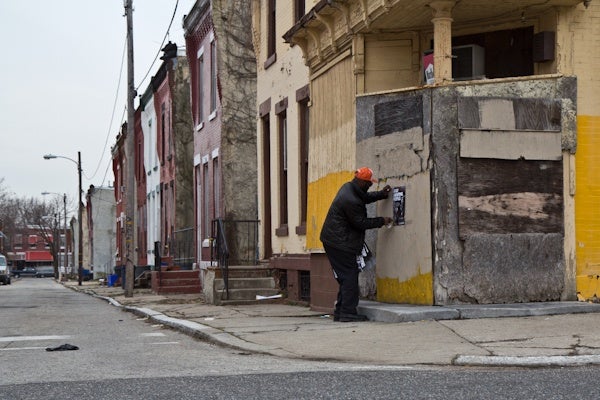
(236, 67)
(499, 216)
(484, 219)
(393, 138)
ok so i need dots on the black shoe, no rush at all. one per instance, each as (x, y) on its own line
(353, 318)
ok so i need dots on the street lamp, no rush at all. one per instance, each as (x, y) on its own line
(79, 213)
(61, 273)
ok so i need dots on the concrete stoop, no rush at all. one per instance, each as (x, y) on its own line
(245, 284)
(176, 282)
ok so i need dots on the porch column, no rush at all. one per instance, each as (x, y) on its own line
(442, 39)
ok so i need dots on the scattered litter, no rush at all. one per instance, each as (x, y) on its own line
(275, 296)
(209, 319)
(62, 347)
(325, 316)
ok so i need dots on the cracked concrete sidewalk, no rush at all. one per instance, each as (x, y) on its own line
(571, 338)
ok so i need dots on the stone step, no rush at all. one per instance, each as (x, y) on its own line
(245, 271)
(244, 294)
(248, 302)
(179, 282)
(179, 289)
(176, 282)
(245, 283)
(182, 274)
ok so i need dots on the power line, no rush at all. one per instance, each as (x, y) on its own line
(113, 112)
(159, 47)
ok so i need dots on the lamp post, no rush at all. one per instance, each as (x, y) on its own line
(79, 213)
(65, 252)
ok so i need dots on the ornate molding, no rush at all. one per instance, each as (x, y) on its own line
(329, 24)
(364, 5)
(314, 35)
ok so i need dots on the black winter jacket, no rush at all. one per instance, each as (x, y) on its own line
(346, 222)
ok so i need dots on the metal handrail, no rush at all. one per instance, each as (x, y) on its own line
(234, 241)
(220, 246)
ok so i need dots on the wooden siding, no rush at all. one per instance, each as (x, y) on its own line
(389, 64)
(500, 196)
(332, 143)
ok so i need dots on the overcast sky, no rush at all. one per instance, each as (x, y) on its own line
(60, 68)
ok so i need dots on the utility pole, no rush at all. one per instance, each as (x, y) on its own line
(65, 251)
(80, 224)
(129, 154)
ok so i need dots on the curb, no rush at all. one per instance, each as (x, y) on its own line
(225, 339)
(196, 330)
(526, 361)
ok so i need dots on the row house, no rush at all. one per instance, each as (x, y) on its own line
(119, 161)
(141, 202)
(163, 147)
(195, 147)
(282, 126)
(31, 246)
(223, 92)
(174, 149)
(481, 116)
(100, 212)
(148, 183)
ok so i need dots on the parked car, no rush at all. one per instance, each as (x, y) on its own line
(25, 271)
(4, 271)
(44, 271)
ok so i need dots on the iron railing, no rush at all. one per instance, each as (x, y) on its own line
(233, 241)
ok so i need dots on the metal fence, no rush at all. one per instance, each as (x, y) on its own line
(241, 237)
(182, 248)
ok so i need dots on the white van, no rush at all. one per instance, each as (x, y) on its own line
(4, 271)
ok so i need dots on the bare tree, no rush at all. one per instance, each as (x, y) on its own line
(16, 214)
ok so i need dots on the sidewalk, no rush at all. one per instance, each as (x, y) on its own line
(531, 334)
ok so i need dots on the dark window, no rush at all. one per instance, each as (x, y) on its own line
(283, 170)
(163, 141)
(200, 89)
(271, 34)
(216, 187)
(266, 160)
(508, 53)
(213, 76)
(303, 137)
(206, 200)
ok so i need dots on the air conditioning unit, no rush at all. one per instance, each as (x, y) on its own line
(468, 62)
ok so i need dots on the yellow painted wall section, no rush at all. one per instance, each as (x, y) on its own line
(587, 207)
(578, 34)
(332, 143)
(417, 290)
(320, 196)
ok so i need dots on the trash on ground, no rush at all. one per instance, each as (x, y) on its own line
(275, 296)
(62, 347)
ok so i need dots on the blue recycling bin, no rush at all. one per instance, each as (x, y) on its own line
(112, 279)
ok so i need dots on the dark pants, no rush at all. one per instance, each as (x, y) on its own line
(346, 273)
